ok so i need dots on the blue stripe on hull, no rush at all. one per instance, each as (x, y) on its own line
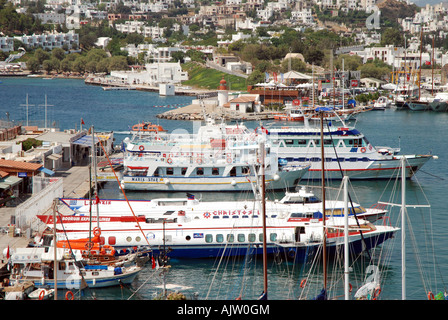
(298, 253)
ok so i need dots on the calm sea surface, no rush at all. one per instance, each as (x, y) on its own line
(414, 132)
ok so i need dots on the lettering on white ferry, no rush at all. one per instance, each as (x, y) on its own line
(145, 179)
(231, 213)
(103, 202)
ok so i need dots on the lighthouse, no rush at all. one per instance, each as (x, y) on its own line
(223, 94)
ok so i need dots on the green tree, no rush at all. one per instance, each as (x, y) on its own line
(118, 63)
(33, 64)
(41, 55)
(58, 53)
(392, 36)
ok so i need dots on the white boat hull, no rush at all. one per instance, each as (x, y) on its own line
(284, 180)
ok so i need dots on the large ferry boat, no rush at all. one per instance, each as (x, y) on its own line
(194, 229)
(347, 150)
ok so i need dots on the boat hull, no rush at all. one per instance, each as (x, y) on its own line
(75, 282)
(290, 251)
(284, 180)
(365, 169)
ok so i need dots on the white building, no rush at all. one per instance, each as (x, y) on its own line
(153, 75)
(44, 41)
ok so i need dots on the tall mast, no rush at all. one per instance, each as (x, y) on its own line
(324, 236)
(263, 208)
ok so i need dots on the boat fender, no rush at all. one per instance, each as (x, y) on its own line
(41, 294)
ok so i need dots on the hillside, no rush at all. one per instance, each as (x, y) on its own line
(392, 10)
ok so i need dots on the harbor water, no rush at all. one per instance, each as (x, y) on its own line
(69, 101)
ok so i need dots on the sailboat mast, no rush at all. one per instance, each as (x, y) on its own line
(346, 249)
(403, 226)
(263, 208)
(324, 237)
(420, 69)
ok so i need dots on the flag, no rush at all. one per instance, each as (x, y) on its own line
(153, 263)
(190, 196)
(281, 77)
(7, 253)
(275, 76)
(82, 121)
(267, 76)
(428, 63)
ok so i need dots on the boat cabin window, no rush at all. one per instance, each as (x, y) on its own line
(245, 170)
(233, 172)
(308, 215)
(328, 142)
(289, 141)
(219, 238)
(208, 238)
(156, 172)
(200, 171)
(172, 203)
(215, 171)
(302, 142)
(183, 171)
(273, 237)
(241, 237)
(230, 238)
(252, 237)
(169, 171)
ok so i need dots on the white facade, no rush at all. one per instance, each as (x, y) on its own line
(45, 41)
(155, 73)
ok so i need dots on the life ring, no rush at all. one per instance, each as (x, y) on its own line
(302, 283)
(96, 232)
(169, 161)
(229, 160)
(430, 296)
(141, 148)
(199, 161)
(363, 150)
(69, 295)
(41, 294)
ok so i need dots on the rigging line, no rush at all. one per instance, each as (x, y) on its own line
(124, 194)
(72, 254)
(138, 289)
(349, 196)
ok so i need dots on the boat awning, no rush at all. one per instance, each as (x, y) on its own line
(86, 141)
(47, 171)
(9, 182)
(54, 156)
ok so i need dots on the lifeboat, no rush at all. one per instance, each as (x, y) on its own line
(147, 127)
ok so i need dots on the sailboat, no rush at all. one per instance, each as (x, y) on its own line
(422, 103)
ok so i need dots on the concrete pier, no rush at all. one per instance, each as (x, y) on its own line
(75, 184)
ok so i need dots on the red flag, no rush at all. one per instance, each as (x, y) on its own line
(7, 253)
(153, 263)
(428, 63)
(82, 121)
